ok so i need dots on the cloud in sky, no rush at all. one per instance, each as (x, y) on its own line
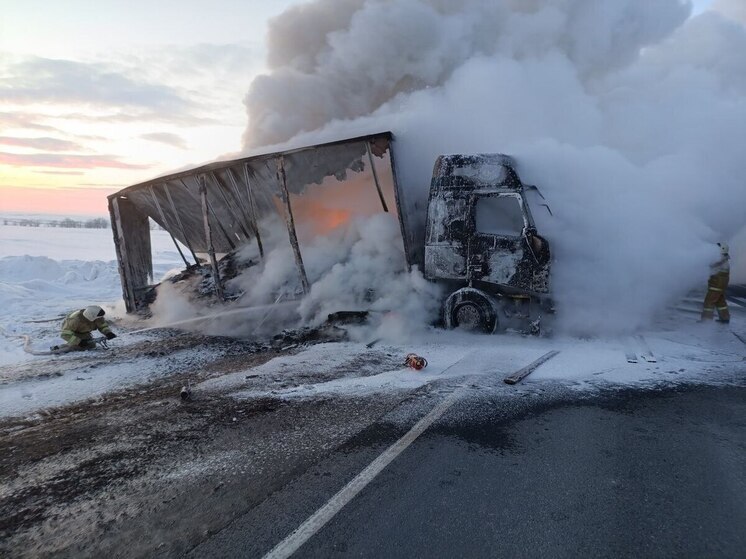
(132, 77)
(67, 161)
(43, 143)
(133, 116)
(35, 80)
(734, 9)
(221, 60)
(22, 121)
(166, 138)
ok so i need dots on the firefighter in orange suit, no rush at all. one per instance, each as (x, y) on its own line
(716, 286)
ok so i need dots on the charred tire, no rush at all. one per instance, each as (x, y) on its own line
(470, 309)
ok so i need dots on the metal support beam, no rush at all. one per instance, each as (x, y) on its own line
(221, 188)
(252, 207)
(227, 237)
(375, 177)
(178, 221)
(248, 214)
(208, 237)
(282, 179)
(165, 223)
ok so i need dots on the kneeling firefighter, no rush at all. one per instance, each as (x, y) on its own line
(77, 327)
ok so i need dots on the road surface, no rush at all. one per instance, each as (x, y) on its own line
(627, 473)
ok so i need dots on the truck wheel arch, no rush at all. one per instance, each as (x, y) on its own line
(468, 300)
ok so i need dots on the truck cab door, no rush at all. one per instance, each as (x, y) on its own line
(496, 244)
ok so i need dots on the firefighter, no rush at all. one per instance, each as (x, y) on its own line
(716, 286)
(77, 327)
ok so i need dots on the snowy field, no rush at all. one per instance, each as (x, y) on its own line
(45, 273)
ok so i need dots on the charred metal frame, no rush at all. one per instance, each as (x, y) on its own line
(282, 180)
(232, 197)
(208, 236)
(457, 252)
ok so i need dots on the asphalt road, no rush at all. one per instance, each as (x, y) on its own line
(532, 473)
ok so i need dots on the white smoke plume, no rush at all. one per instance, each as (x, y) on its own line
(630, 115)
(357, 267)
(734, 9)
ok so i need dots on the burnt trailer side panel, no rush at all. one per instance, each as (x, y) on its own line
(131, 230)
(321, 182)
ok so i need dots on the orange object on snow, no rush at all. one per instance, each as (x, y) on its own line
(415, 362)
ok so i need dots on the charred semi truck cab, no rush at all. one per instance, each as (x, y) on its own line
(482, 245)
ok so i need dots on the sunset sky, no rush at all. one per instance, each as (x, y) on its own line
(96, 96)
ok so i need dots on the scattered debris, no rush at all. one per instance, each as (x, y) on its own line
(520, 374)
(186, 392)
(324, 333)
(414, 361)
(347, 317)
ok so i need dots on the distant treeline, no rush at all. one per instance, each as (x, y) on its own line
(67, 223)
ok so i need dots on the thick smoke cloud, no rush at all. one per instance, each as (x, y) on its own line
(360, 266)
(334, 59)
(629, 115)
(735, 9)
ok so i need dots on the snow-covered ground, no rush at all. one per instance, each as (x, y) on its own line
(692, 352)
(45, 273)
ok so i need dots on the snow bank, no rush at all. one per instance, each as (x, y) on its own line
(47, 272)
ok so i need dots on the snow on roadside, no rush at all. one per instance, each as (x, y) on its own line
(47, 272)
(698, 353)
(84, 381)
(36, 284)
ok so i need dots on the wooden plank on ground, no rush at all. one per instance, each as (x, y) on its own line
(520, 374)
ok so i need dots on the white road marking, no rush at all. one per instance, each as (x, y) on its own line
(318, 520)
(315, 522)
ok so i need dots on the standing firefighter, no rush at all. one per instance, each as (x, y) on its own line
(77, 328)
(716, 286)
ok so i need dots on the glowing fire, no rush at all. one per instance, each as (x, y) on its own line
(323, 208)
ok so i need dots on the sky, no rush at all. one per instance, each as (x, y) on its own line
(96, 96)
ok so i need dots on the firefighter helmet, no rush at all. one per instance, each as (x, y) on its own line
(92, 312)
(723, 248)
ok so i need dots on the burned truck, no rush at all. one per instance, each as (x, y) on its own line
(474, 235)
(481, 242)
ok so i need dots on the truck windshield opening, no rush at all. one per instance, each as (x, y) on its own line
(499, 215)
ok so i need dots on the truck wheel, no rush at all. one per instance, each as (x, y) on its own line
(470, 309)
